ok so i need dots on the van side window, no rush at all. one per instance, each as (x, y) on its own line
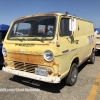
(64, 27)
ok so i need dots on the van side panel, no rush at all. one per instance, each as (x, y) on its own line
(85, 34)
(79, 45)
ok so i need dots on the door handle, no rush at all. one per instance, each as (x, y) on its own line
(76, 41)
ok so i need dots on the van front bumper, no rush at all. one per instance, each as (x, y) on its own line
(33, 76)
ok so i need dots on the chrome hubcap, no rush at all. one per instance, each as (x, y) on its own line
(74, 75)
(93, 57)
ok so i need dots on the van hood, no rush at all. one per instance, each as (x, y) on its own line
(29, 48)
(29, 53)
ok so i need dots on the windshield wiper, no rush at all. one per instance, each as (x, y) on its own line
(42, 39)
(20, 39)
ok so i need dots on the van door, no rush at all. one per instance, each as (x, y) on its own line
(68, 47)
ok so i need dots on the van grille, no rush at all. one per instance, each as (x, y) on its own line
(26, 67)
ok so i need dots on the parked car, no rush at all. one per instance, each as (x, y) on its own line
(97, 37)
(3, 30)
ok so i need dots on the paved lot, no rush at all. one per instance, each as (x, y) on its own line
(15, 87)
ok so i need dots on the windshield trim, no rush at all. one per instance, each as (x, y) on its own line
(17, 21)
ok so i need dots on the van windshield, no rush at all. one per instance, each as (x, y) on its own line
(35, 28)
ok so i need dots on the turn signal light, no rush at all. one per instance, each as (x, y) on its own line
(49, 71)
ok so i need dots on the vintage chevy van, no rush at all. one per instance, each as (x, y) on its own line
(52, 49)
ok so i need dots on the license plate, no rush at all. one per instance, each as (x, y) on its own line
(41, 71)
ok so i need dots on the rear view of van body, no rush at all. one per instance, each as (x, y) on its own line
(48, 47)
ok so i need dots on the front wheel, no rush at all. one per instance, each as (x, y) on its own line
(71, 78)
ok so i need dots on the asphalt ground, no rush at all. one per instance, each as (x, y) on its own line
(86, 88)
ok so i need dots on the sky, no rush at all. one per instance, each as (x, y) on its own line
(12, 9)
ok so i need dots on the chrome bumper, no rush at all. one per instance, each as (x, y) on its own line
(32, 76)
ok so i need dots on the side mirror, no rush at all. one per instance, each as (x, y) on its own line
(72, 24)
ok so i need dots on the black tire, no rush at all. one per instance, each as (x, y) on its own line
(71, 78)
(92, 57)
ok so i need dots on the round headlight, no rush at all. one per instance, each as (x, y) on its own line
(4, 52)
(48, 55)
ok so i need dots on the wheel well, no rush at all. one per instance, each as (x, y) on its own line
(93, 49)
(76, 60)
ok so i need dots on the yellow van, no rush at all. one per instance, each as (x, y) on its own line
(48, 47)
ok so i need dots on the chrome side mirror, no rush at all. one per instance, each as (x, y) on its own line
(72, 24)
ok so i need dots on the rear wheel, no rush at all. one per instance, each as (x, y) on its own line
(71, 78)
(92, 57)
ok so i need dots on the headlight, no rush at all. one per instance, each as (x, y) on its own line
(48, 55)
(4, 52)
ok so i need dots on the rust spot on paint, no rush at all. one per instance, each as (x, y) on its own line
(51, 42)
(55, 64)
(55, 74)
(27, 58)
(51, 81)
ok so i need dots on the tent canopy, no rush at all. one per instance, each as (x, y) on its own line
(4, 27)
(97, 29)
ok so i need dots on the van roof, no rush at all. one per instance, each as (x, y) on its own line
(51, 13)
(42, 14)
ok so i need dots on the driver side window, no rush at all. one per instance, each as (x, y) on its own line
(64, 27)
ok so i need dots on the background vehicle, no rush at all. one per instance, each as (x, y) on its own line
(3, 30)
(97, 36)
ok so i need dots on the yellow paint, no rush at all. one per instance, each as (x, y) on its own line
(76, 46)
(4, 76)
(94, 89)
